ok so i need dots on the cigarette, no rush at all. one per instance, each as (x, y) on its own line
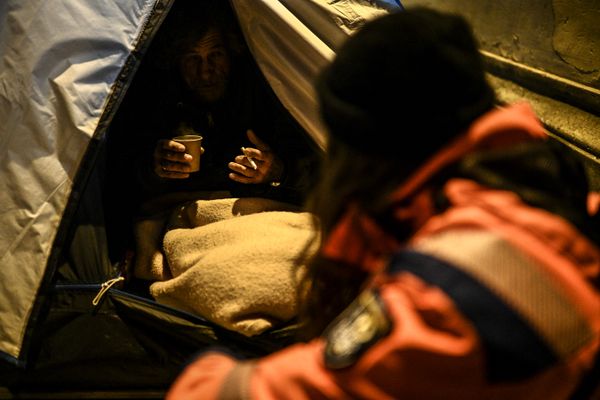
(250, 159)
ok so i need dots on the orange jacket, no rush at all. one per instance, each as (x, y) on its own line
(490, 299)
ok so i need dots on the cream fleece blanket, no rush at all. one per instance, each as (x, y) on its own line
(233, 261)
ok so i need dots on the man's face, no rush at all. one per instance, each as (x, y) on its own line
(205, 67)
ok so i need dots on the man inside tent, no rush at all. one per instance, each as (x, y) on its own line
(198, 73)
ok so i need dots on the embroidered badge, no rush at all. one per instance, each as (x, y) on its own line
(362, 324)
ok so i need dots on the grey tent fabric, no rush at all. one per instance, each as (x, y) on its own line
(58, 63)
(293, 39)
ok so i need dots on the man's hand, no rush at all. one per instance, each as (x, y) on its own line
(268, 166)
(171, 161)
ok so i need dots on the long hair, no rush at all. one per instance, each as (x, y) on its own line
(347, 177)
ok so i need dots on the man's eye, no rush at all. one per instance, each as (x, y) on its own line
(217, 55)
(191, 61)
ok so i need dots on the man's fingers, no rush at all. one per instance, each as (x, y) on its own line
(244, 160)
(241, 178)
(176, 157)
(243, 169)
(171, 151)
(171, 145)
(253, 153)
(171, 161)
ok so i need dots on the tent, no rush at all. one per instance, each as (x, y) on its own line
(65, 67)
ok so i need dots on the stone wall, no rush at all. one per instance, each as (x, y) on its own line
(547, 52)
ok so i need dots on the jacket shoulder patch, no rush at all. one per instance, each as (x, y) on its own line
(362, 324)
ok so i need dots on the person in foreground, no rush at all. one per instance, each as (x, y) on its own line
(459, 258)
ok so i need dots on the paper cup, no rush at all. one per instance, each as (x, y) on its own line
(192, 145)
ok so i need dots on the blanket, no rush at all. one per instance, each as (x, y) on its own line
(234, 261)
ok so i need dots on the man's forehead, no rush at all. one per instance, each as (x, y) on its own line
(211, 39)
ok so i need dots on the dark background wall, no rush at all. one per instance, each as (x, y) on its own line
(547, 52)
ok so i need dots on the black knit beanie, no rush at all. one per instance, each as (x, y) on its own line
(405, 85)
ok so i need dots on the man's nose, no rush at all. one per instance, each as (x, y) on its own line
(207, 69)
